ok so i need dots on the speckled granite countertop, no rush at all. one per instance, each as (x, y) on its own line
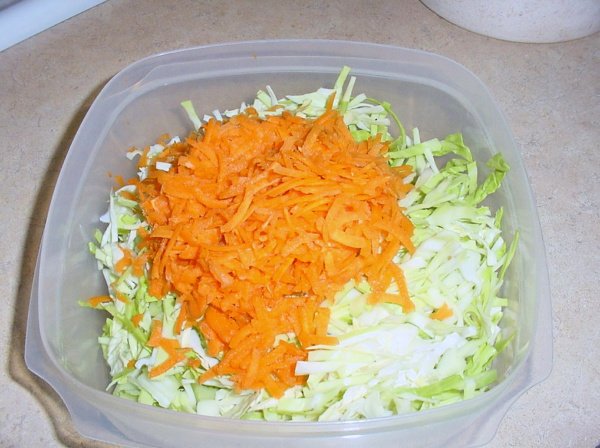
(550, 94)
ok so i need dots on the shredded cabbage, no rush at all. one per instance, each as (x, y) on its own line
(387, 362)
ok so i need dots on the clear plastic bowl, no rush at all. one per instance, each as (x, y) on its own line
(141, 103)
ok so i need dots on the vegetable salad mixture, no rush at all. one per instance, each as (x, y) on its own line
(290, 260)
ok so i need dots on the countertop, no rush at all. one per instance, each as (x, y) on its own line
(549, 93)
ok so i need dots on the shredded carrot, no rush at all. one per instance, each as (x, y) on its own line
(181, 319)
(125, 261)
(128, 194)
(136, 319)
(120, 296)
(193, 362)
(443, 312)
(384, 297)
(139, 262)
(97, 300)
(118, 179)
(155, 333)
(257, 222)
(175, 353)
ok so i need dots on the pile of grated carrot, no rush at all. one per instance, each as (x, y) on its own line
(257, 223)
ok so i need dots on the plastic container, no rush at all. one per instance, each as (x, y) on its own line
(143, 102)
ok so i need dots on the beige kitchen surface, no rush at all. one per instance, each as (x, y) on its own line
(549, 93)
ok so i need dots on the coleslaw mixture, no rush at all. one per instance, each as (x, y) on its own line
(387, 361)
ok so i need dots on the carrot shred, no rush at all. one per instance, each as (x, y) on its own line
(330, 100)
(125, 261)
(181, 319)
(193, 362)
(120, 296)
(175, 353)
(443, 312)
(97, 300)
(155, 334)
(136, 319)
(139, 262)
(128, 194)
(385, 297)
(117, 178)
(259, 221)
